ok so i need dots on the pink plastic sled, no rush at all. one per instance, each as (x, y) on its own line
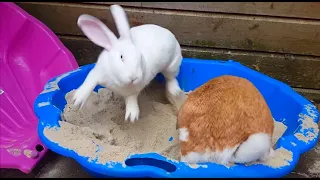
(30, 55)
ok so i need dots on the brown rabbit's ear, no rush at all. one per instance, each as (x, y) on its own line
(121, 21)
(96, 31)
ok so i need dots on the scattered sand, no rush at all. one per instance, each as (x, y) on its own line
(53, 85)
(100, 133)
(314, 169)
(281, 158)
(196, 166)
(43, 104)
(308, 123)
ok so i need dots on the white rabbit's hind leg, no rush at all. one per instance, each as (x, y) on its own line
(173, 88)
(172, 85)
(170, 74)
(174, 93)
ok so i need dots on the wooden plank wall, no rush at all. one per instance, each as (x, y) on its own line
(280, 39)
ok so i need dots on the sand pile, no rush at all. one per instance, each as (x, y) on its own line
(99, 131)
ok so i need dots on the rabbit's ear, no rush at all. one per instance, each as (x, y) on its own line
(121, 21)
(96, 31)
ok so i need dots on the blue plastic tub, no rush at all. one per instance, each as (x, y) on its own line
(283, 101)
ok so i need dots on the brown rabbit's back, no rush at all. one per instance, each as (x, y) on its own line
(223, 113)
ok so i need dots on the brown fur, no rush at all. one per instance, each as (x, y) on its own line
(223, 113)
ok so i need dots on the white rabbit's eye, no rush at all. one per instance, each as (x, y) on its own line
(121, 58)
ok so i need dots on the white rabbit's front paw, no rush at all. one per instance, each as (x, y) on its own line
(83, 92)
(79, 98)
(132, 108)
(132, 113)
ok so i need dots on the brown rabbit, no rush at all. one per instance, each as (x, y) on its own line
(226, 120)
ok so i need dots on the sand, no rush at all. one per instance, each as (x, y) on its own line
(53, 85)
(100, 133)
(308, 123)
(278, 130)
(281, 158)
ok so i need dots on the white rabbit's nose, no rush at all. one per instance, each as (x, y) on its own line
(133, 78)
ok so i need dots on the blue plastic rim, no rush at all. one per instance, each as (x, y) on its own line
(284, 102)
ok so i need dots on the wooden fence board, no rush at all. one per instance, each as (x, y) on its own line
(132, 4)
(297, 71)
(195, 29)
(311, 94)
(281, 9)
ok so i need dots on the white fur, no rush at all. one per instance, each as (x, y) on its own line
(132, 107)
(146, 50)
(183, 134)
(209, 156)
(256, 147)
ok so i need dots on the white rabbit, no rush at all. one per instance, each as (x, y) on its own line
(128, 64)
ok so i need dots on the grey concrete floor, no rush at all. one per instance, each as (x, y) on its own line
(56, 166)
